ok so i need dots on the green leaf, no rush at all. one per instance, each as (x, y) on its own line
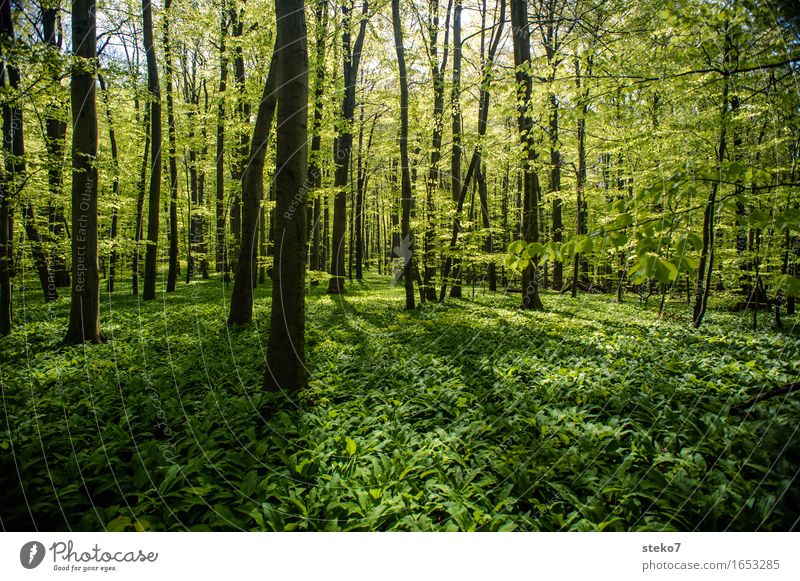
(584, 244)
(789, 284)
(351, 446)
(516, 247)
(119, 524)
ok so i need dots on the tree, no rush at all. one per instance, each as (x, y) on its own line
(351, 56)
(154, 198)
(172, 273)
(286, 368)
(315, 169)
(407, 196)
(252, 194)
(522, 62)
(221, 239)
(84, 319)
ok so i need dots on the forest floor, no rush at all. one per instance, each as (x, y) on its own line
(469, 416)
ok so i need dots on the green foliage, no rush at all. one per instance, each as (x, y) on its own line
(471, 416)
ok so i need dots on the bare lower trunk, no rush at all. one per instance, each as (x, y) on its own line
(286, 368)
(84, 319)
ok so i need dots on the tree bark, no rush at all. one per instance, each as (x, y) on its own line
(706, 263)
(154, 198)
(524, 80)
(455, 161)
(252, 193)
(406, 241)
(55, 136)
(221, 235)
(286, 369)
(315, 161)
(172, 152)
(112, 234)
(84, 319)
(344, 143)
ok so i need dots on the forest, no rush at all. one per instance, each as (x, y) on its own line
(400, 265)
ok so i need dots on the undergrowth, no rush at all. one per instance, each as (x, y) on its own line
(469, 416)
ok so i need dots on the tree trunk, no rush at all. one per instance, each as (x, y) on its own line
(221, 235)
(455, 161)
(55, 136)
(406, 249)
(252, 194)
(522, 62)
(286, 369)
(706, 263)
(112, 234)
(139, 226)
(344, 143)
(154, 198)
(172, 152)
(315, 161)
(14, 154)
(84, 319)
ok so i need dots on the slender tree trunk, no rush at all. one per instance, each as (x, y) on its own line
(524, 80)
(154, 198)
(253, 192)
(221, 235)
(344, 143)
(315, 157)
(406, 249)
(141, 186)
(706, 263)
(55, 135)
(286, 369)
(172, 152)
(432, 183)
(581, 208)
(14, 154)
(112, 234)
(243, 116)
(455, 162)
(84, 319)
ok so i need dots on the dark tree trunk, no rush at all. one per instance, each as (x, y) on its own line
(579, 264)
(154, 198)
(243, 113)
(455, 162)
(112, 233)
(555, 189)
(524, 80)
(221, 247)
(286, 363)
(706, 263)
(15, 167)
(253, 192)
(432, 183)
(84, 319)
(55, 135)
(172, 152)
(406, 249)
(315, 169)
(8, 179)
(344, 143)
(141, 186)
